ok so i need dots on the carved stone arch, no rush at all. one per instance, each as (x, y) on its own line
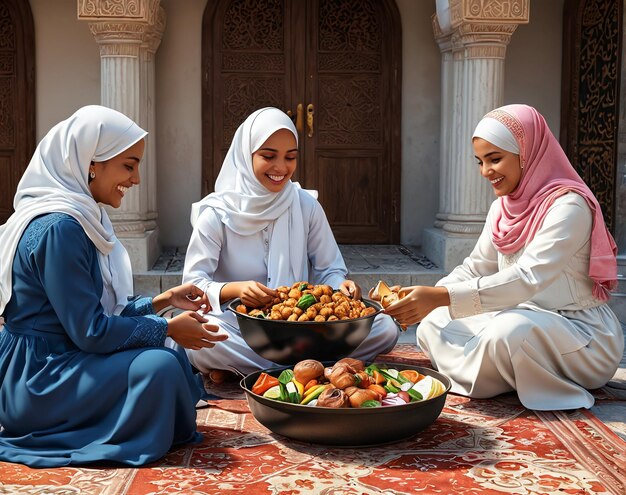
(591, 76)
(17, 97)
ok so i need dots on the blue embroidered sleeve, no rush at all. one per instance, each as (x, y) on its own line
(138, 306)
(61, 247)
(150, 331)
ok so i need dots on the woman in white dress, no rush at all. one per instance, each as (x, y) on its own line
(258, 231)
(527, 310)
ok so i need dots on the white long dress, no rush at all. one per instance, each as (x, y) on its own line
(217, 255)
(527, 321)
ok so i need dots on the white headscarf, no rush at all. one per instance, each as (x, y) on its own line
(246, 207)
(56, 181)
(496, 133)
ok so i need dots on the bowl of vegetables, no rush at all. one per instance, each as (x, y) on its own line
(348, 403)
(306, 321)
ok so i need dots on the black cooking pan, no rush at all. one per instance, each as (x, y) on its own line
(350, 426)
(287, 342)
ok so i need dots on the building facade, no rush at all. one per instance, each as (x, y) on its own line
(385, 94)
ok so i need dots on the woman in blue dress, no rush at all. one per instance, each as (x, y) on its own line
(84, 373)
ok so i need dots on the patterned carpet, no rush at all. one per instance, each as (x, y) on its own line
(475, 447)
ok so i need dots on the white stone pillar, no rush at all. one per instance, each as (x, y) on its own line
(473, 46)
(128, 33)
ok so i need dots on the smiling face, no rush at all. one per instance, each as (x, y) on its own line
(275, 161)
(116, 175)
(500, 167)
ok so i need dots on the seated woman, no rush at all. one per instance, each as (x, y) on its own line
(84, 374)
(259, 231)
(527, 310)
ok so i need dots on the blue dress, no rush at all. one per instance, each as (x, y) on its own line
(77, 386)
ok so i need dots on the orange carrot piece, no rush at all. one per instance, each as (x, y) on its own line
(263, 383)
(309, 384)
(412, 375)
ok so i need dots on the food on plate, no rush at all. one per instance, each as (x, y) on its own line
(333, 397)
(385, 294)
(306, 302)
(264, 383)
(308, 370)
(347, 383)
(358, 396)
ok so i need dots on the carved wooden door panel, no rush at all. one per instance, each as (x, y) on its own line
(592, 47)
(17, 98)
(335, 65)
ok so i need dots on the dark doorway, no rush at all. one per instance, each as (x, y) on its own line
(17, 98)
(592, 47)
(335, 65)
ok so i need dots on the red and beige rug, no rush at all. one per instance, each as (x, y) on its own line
(475, 447)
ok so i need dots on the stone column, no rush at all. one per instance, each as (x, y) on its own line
(128, 33)
(473, 46)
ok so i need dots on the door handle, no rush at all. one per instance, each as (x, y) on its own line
(309, 119)
(299, 117)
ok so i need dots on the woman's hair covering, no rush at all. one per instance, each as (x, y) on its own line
(546, 175)
(246, 207)
(56, 180)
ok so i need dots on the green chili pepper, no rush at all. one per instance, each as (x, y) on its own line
(305, 301)
(392, 374)
(371, 403)
(371, 368)
(390, 388)
(415, 394)
(302, 287)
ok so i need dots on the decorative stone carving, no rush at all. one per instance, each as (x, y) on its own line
(142, 10)
(503, 11)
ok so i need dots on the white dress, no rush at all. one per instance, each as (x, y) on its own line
(527, 321)
(217, 255)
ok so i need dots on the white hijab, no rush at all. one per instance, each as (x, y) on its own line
(246, 207)
(496, 133)
(56, 181)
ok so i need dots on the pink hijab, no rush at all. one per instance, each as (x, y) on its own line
(547, 174)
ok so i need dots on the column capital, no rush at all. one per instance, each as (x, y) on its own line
(484, 25)
(144, 11)
(489, 11)
(121, 27)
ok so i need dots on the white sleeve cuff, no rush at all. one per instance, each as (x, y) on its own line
(213, 291)
(464, 299)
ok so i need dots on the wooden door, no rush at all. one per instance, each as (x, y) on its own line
(335, 64)
(17, 98)
(592, 52)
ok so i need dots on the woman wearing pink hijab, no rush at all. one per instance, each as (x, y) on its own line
(527, 310)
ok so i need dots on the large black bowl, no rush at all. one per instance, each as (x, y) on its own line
(350, 426)
(287, 342)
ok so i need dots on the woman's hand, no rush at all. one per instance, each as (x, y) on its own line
(416, 302)
(191, 330)
(253, 294)
(350, 289)
(186, 296)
